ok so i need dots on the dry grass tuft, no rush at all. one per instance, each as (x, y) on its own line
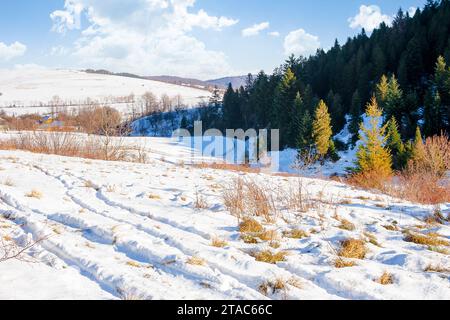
(427, 240)
(437, 268)
(228, 167)
(268, 256)
(218, 243)
(341, 263)
(245, 196)
(353, 248)
(133, 264)
(273, 287)
(34, 194)
(346, 225)
(390, 227)
(8, 182)
(154, 197)
(268, 235)
(386, 279)
(249, 225)
(196, 261)
(296, 234)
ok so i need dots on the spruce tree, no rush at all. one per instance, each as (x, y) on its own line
(355, 113)
(322, 131)
(395, 145)
(372, 157)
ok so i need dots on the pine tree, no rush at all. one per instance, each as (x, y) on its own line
(322, 131)
(395, 145)
(372, 157)
(432, 113)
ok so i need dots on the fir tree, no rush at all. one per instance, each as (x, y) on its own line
(322, 131)
(372, 156)
(355, 113)
(395, 145)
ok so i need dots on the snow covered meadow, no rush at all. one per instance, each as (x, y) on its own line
(164, 230)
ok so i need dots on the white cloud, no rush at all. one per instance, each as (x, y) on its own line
(369, 18)
(59, 51)
(14, 50)
(275, 34)
(143, 36)
(412, 11)
(255, 29)
(299, 42)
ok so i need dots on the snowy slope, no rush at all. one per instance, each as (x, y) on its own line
(125, 230)
(34, 87)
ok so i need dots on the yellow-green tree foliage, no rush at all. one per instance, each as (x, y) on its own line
(322, 131)
(373, 157)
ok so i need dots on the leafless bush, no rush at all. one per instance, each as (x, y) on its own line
(9, 250)
(244, 197)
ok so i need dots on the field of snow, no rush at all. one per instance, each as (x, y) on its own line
(22, 88)
(124, 230)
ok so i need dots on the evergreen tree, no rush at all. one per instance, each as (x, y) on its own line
(382, 91)
(283, 101)
(432, 113)
(305, 139)
(372, 157)
(395, 145)
(355, 113)
(418, 152)
(322, 131)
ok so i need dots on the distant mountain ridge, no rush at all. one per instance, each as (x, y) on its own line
(221, 83)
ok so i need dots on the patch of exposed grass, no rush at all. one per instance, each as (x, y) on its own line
(353, 249)
(268, 235)
(427, 240)
(273, 287)
(439, 250)
(196, 261)
(34, 194)
(372, 239)
(218, 243)
(249, 225)
(386, 279)
(154, 197)
(341, 263)
(296, 234)
(249, 239)
(390, 227)
(437, 268)
(133, 264)
(346, 225)
(268, 256)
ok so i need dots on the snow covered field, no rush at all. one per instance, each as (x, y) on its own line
(22, 88)
(131, 231)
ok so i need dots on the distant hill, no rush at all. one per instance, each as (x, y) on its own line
(236, 82)
(221, 83)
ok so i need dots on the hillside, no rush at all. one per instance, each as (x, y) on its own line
(167, 232)
(22, 90)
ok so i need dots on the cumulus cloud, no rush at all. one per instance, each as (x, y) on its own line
(299, 42)
(275, 34)
(369, 18)
(14, 50)
(255, 29)
(143, 36)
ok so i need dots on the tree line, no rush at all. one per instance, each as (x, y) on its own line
(403, 66)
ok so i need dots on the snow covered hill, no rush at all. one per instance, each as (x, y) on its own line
(27, 89)
(161, 231)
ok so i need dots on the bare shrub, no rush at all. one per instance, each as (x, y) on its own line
(9, 250)
(245, 196)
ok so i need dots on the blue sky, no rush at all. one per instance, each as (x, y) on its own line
(196, 38)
